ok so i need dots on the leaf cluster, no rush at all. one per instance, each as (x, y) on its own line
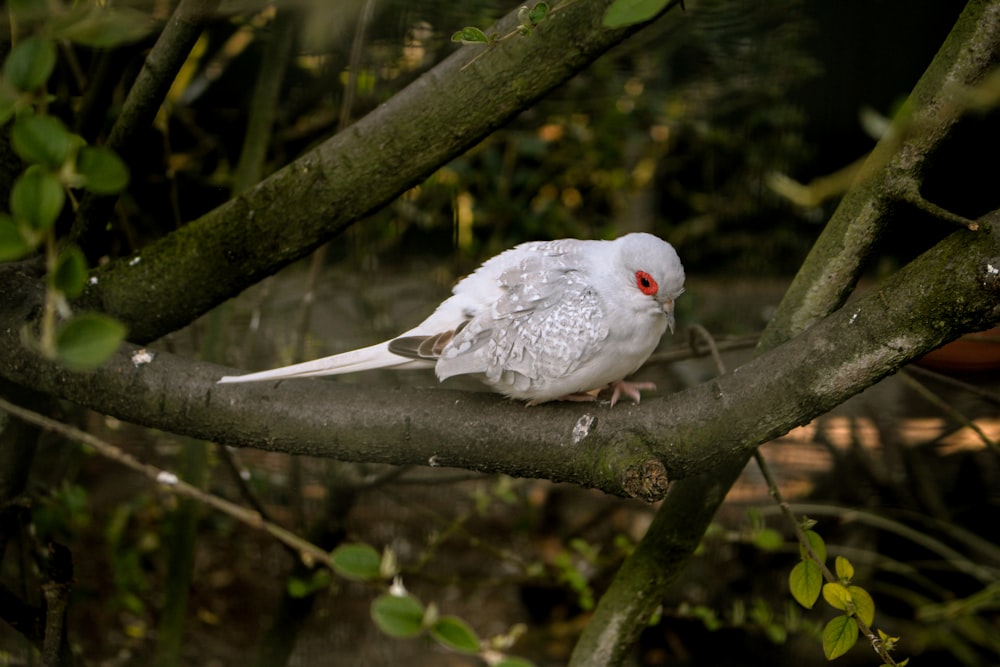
(855, 604)
(400, 614)
(58, 162)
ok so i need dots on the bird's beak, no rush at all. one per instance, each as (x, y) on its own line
(668, 310)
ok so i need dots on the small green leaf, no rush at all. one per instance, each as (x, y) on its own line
(805, 582)
(87, 340)
(401, 617)
(838, 597)
(623, 13)
(513, 661)
(26, 12)
(523, 17)
(42, 139)
(299, 587)
(13, 245)
(103, 27)
(356, 561)
(70, 275)
(768, 539)
(538, 13)
(103, 171)
(845, 571)
(864, 606)
(817, 544)
(839, 635)
(37, 198)
(470, 35)
(454, 633)
(29, 65)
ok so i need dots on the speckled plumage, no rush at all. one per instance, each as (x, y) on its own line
(542, 321)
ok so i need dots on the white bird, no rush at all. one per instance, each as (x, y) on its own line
(542, 321)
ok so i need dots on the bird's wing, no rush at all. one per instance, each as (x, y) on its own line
(544, 323)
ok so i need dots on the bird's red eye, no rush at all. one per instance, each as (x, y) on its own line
(645, 283)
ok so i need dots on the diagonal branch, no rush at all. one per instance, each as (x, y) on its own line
(630, 450)
(354, 173)
(827, 277)
(144, 99)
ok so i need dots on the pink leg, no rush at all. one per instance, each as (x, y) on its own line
(630, 389)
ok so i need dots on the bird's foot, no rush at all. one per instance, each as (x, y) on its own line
(630, 389)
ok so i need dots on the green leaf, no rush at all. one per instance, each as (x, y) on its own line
(30, 63)
(28, 11)
(806, 582)
(298, 587)
(42, 139)
(514, 661)
(452, 632)
(13, 245)
(768, 539)
(839, 635)
(470, 35)
(103, 171)
(838, 597)
(356, 561)
(103, 27)
(70, 275)
(538, 12)
(37, 198)
(401, 617)
(817, 544)
(864, 606)
(845, 571)
(627, 12)
(87, 340)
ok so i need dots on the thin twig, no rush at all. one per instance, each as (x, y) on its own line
(800, 535)
(696, 332)
(309, 552)
(984, 394)
(938, 402)
(691, 350)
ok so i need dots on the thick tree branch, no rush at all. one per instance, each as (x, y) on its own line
(630, 450)
(354, 173)
(888, 176)
(825, 280)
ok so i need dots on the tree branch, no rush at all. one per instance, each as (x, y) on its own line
(822, 285)
(144, 99)
(835, 262)
(357, 171)
(630, 450)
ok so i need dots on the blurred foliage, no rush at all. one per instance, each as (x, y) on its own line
(673, 132)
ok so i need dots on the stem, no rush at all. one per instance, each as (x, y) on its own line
(800, 535)
(943, 405)
(307, 551)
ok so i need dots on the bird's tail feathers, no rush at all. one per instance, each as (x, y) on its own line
(367, 358)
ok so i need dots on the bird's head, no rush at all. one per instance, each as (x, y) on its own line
(653, 270)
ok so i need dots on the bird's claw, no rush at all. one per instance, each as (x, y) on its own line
(630, 389)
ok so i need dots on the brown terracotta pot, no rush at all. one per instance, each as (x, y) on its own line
(971, 353)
